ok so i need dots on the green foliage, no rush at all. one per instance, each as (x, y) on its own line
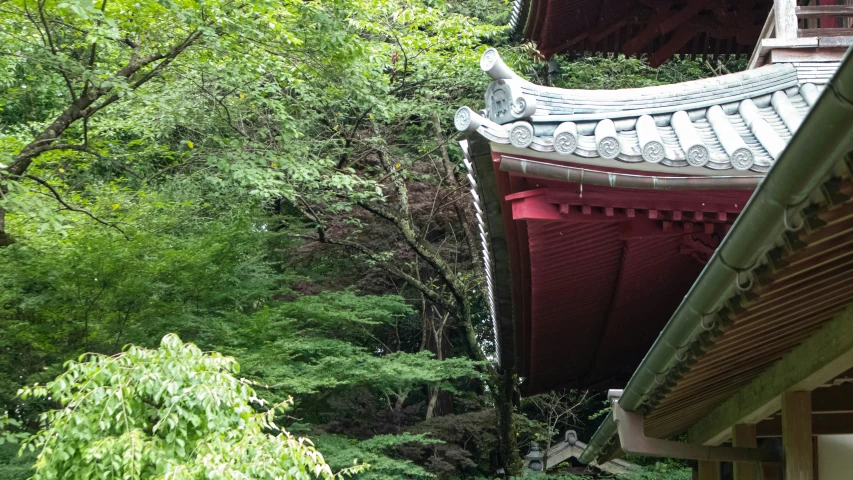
(614, 71)
(663, 471)
(222, 191)
(375, 452)
(327, 342)
(91, 290)
(174, 412)
(660, 470)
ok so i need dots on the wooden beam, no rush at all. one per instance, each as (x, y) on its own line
(709, 470)
(744, 435)
(548, 51)
(822, 424)
(790, 55)
(797, 435)
(825, 32)
(832, 41)
(786, 19)
(815, 461)
(757, 57)
(824, 11)
(678, 40)
(606, 30)
(815, 361)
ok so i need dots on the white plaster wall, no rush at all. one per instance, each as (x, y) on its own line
(835, 457)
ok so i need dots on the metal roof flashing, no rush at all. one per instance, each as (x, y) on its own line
(811, 157)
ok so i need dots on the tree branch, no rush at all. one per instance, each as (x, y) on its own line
(54, 50)
(429, 293)
(73, 208)
(83, 107)
(34, 152)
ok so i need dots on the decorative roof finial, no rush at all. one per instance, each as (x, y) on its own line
(494, 66)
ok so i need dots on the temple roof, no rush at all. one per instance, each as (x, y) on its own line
(740, 122)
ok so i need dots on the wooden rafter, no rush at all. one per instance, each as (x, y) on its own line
(679, 38)
(663, 24)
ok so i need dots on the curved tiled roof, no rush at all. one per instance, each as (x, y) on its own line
(739, 121)
(518, 15)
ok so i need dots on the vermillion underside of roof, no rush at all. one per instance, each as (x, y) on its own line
(609, 203)
(595, 270)
(659, 29)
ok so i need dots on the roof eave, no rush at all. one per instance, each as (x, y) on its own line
(518, 18)
(825, 136)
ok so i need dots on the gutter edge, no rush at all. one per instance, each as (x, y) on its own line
(786, 187)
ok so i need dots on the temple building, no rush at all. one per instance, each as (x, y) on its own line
(687, 247)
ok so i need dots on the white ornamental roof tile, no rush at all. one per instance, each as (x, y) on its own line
(739, 121)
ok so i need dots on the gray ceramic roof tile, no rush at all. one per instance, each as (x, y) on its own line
(547, 119)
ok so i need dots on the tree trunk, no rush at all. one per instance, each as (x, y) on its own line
(506, 424)
(461, 214)
(401, 400)
(433, 399)
(5, 239)
(503, 384)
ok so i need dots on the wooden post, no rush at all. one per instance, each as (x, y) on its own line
(786, 19)
(743, 435)
(797, 435)
(709, 470)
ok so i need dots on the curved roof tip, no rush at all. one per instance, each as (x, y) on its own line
(494, 66)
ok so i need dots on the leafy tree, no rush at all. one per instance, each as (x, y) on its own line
(277, 181)
(174, 412)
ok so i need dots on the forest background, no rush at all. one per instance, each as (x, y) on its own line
(279, 182)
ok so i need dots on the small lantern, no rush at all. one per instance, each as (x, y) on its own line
(534, 458)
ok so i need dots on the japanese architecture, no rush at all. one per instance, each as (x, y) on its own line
(688, 247)
(659, 29)
(564, 457)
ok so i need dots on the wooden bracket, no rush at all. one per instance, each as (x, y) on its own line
(633, 439)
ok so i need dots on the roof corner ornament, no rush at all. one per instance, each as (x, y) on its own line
(466, 120)
(494, 66)
(504, 100)
(571, 437)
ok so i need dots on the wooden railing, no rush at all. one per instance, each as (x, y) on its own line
(828, 16)
(805, 33)
(793, 21)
